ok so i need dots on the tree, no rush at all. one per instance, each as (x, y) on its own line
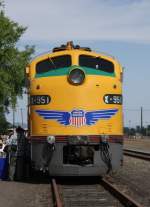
(126, 130)
(12, 61)
(148, 130)
(4, 125)
(138, 129)
(132, 131)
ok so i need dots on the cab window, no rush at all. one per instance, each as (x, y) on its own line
(53, 63)
(96, 63)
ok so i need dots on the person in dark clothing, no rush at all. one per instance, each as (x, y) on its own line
(21, 154)
(11, 154)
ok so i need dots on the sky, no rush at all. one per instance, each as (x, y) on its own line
(119, 28)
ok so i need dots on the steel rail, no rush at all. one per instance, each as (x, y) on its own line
(123, 198)
(137, 154)
(56, 194)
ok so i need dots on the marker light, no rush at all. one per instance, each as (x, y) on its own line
(51, 139)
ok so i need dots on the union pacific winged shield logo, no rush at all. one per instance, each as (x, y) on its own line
(77, 118)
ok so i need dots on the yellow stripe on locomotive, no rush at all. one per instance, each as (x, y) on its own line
(75, 91)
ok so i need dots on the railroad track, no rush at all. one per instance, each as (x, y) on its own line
(90, 194)
(137, 154)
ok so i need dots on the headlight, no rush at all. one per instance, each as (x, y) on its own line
(76, 76)
(51, 139)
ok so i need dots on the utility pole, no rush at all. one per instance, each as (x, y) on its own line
(141, 120)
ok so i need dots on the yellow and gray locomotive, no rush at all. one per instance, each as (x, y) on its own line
(75, 112)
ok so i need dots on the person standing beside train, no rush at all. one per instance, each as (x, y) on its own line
(21, 154)
(11, 150)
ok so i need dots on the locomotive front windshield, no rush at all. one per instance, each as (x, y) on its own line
(96, 63)
(53, 63)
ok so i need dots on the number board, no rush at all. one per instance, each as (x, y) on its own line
(113, 99)
(40, 99)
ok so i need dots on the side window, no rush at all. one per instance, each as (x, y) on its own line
(96, 63)
(53, 63)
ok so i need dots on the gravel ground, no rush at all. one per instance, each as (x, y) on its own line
(136, 172)
(134, 179)
(17, 194)
(139, 144)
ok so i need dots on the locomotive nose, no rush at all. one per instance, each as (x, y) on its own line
(76, 76)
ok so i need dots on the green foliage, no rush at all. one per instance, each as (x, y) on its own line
(148, 130)
(4, 125)
(12, 61)
(145, 131)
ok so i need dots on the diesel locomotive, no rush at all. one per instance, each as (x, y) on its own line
(75, 112)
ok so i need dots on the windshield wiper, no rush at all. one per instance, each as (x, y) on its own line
(52, 63)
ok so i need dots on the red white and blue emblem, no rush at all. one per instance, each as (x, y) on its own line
(77, 117)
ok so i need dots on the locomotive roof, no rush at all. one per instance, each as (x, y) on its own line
(69, 47)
